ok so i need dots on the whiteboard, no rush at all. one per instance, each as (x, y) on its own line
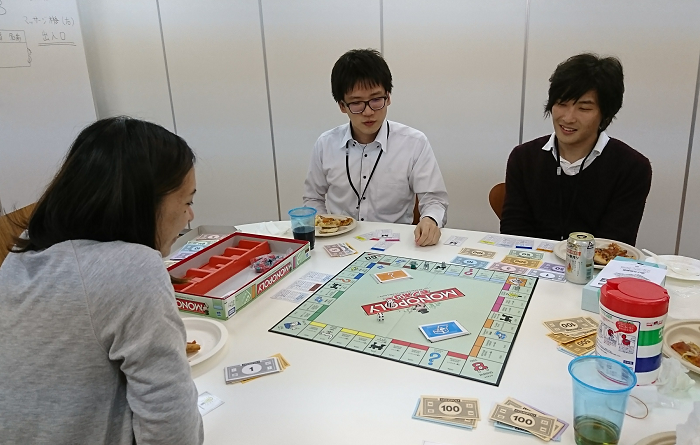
(46, 98)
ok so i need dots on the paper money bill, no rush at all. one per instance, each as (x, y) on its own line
(583, 331)
(564, 338)
(537, 424)
(510, 268)
(578, 334)
(581, 346)
(559, 426)
(451, 407)
(527, 254)
(284, 364)
(477, 252)
(523, 262)
(462, 423)
(565, 325)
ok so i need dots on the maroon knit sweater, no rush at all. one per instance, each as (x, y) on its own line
(606, 199)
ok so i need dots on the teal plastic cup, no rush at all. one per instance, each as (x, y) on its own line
(304, 224)
(601, 388)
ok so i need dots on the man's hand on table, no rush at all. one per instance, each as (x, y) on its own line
(427, 232)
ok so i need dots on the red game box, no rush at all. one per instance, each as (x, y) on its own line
(221, 280)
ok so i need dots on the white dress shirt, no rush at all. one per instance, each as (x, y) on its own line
(406, 168)
(572, 168)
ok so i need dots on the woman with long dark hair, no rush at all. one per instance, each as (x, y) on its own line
(92, 346)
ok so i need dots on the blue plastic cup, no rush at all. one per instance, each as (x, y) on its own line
(304, 224)
(601, 388)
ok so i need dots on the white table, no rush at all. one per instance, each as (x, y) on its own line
(334, 396)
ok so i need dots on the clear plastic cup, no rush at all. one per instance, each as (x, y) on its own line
(304, 224)
(601, 388)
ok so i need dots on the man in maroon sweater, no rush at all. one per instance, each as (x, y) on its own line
(578, 179)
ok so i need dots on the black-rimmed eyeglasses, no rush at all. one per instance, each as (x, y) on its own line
(358, 107)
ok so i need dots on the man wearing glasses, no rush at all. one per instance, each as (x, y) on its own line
(372, 169)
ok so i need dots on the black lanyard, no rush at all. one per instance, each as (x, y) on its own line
(347, 168)
(563, 222)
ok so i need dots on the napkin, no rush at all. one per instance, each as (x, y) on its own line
(688, 433)
(274, 228)
(685, 299)
(673, 378)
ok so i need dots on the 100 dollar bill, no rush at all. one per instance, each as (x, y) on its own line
(535, 423)
(449, 407)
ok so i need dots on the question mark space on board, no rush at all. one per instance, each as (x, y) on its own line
(433, 356)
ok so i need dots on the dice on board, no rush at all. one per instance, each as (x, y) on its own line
(380, 316)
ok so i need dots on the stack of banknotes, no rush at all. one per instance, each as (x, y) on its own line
(452, 411)
(516, 416)
(575, 336)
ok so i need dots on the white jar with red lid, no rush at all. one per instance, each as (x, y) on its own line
(632, 317)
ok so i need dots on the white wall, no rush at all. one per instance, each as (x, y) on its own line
(217, 80)
(125, 59)
(690, 236)
(45, 98)
(457, 66)
(304, 39)
(457, 72)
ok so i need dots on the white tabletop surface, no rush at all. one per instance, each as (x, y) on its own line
(334, 396)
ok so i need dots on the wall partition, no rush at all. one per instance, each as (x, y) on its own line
(247, 83)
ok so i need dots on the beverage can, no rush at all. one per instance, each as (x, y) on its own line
(580, 249)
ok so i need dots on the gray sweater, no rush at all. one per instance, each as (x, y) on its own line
(92, 350)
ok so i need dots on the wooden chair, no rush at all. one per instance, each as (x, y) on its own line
(496, 197)
(9, 228)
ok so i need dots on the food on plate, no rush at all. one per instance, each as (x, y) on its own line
(605, 255)
(192, 346)
(689, 351)
(329, 224)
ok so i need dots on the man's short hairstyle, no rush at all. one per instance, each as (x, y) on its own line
(365, 67)
(582, 73)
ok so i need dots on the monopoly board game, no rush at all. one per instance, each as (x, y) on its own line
(364, 309)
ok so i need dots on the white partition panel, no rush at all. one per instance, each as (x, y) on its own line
(690, 233)
(45, 98)
(125, 59)
(217, 76)
(304, 39)
(457, 68)
(658, 44)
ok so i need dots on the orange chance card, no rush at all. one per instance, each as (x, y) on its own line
(383, 277)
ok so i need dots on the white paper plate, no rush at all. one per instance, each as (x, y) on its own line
(689, 266)
(341, 230)
(684, 330)
(560, 249)
(209, 334)
(666, 438)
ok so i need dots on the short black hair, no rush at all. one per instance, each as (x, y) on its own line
(364, 66)
(582, 73)
(111, 185)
